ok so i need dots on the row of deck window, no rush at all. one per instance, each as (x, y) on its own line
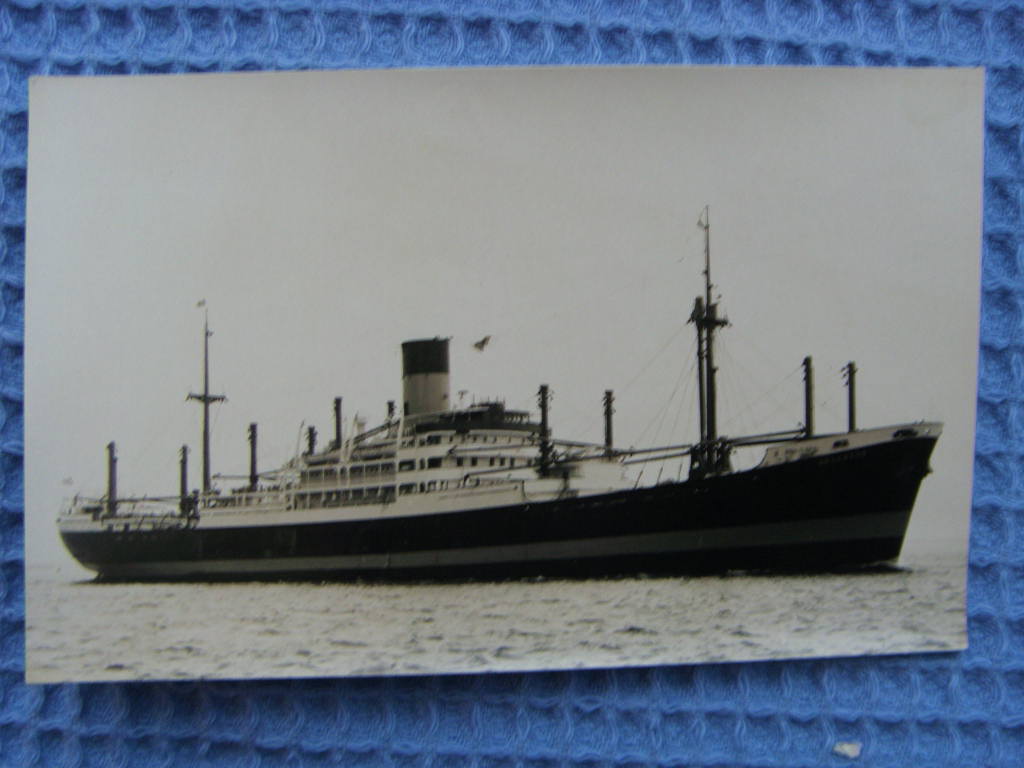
(359, 472)
(355, 472)
(492, 461)
(377, 494)
(463, 438)
(372, 495)
(408, 465)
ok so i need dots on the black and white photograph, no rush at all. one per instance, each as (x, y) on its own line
(446, 371)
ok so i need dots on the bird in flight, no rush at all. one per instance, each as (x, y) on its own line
(479, 345)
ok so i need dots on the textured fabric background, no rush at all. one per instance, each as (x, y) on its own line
(949, 710)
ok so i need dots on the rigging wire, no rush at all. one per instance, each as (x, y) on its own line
(656, 355)
(656, 439)
(830, 405)
(594, 417)
(790, 406)
(689, 407)
(687, 375)
(768, 394)
(735, 394)
(659, 415)
(739, 339)
(143, 455)
(835, 409)
(685, 404)
(741, 420)
(774, 366)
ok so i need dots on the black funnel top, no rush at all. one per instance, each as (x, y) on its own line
(425, 356)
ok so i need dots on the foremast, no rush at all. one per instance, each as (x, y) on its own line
(710, 456)
(206, 399)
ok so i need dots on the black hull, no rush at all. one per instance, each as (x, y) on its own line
(832, 512)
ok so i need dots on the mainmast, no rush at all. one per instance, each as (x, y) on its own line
(710, 456)
(206, 398)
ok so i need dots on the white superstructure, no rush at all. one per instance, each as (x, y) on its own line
(482, 456)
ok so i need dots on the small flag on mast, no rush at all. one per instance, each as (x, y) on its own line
(702, 222)
(202, 303)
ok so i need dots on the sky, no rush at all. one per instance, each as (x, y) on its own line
(325, 217)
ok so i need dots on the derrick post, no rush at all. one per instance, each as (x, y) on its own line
(545, 434)
(851, 385)
(310, 441)
(337, 422)
(253, 476)
(183, 500)
(111, 479)
(609, 400)
(808, 397)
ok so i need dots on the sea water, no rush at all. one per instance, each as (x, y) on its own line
(87, 631)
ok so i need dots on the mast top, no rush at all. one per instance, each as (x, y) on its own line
(205, 397)
(704, 222)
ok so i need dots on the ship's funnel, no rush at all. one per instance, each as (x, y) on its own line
(425, 376)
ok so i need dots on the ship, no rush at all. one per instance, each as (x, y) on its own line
(484, 491)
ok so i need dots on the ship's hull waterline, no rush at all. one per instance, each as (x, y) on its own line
(832, 512)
